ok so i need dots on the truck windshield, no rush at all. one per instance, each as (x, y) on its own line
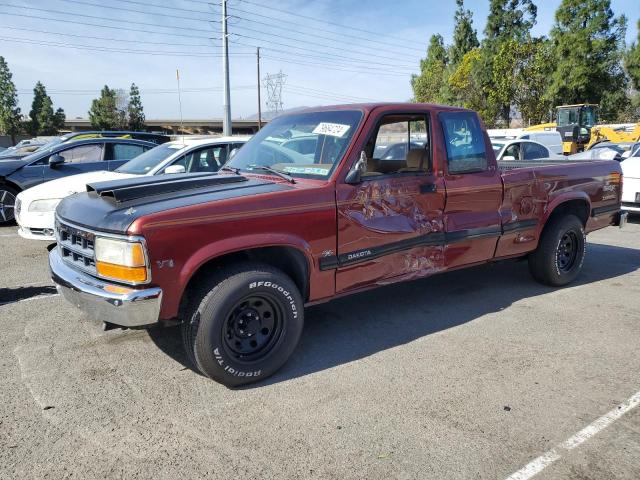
(301, 145)
(143, 163)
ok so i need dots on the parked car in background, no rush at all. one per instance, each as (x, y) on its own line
(44, 143)
(631, 185)
(551, 140)
(20, 150)
(519, 150)
(63, 160)
(34, 210)
(604, 152)
(625, 149)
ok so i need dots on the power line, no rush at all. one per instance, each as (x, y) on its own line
(142, 92)
(331, 67)
(172, 8)
(327, 56)
(378, 49)
(98, 17)
(322, 45)
(105, 26)
(107, 39)
(80, 2)
(348, 27)
(342, 34)
(112, 50)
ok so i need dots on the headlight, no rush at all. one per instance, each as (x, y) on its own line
(120, 260)
(48, 205)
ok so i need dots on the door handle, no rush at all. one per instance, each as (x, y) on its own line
(428, 188)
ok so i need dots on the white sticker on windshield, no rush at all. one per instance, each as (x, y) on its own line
(333, 129)
(307, 170)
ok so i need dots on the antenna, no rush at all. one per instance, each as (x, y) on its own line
(273, 84)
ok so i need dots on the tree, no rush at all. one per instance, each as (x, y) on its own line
(466, 85)
(428, 86)
(104, 114)
(59, 118)
(465, 37)
(521, 73)
(632, 62)
(508, 20)
(135, 109)
(43, 120)
(9, 111)
(587, 44)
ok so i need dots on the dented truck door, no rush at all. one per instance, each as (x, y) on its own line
(390, 223)
(474, 190)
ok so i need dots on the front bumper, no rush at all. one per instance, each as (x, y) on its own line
(103, 301)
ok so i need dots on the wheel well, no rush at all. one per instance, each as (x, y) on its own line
(11, 184)
(288, 259)
(579, 208)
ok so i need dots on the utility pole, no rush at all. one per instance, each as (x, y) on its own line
(226, 105)
(259, 101)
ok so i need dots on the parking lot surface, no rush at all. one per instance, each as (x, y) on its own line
(470, 374)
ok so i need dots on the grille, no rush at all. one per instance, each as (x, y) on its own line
(76, 247)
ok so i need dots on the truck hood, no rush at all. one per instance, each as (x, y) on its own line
(7, 167)
(63, 187)
(113, 206)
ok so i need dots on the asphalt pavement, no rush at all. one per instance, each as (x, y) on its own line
(473, 374)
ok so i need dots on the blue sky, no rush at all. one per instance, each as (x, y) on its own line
(332, 51)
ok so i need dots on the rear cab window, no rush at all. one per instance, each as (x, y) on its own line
(464, 139)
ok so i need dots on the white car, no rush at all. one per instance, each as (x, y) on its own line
(35, 207)
(631, 184)
(519, 150)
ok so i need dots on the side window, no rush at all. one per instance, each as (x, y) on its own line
(206, 159)
(400, 145)
(512, 150)
(126, 151)
(533, 151)
(83, 154)
(465, 142)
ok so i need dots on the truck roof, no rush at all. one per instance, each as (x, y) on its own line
(369, 107)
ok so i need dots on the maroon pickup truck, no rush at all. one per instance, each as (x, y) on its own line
(319, 204)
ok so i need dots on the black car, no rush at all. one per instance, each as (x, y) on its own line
(62, 160)
(25, 150)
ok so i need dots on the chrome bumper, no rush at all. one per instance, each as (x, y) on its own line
(106, 302)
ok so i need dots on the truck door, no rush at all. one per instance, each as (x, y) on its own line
(390, 224)
(474, 190)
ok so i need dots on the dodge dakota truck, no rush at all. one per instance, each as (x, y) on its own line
(235, 257)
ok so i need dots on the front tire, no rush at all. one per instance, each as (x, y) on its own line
(560, 254)
(7, 204)
(243, 323)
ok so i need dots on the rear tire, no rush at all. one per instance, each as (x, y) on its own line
(560, 254)
(7, 204)
(243, 323)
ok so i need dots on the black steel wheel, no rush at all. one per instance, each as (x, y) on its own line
(242, 323)
(253, 327)
(560, 254)
(567, 251)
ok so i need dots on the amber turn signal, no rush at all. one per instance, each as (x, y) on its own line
(119, 272)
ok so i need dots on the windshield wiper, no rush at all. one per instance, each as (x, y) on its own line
(280, 174)
(230, 169)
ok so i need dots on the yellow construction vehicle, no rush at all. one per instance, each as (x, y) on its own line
(578, 127)
(574, 123)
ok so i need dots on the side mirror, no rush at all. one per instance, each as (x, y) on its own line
(233, 153)
(55, 160)
(509, 158)
(357, 170)
(173, 169)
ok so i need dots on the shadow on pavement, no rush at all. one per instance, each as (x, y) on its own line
(360, 325)
(11, 295)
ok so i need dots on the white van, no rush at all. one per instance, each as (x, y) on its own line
(551, 140)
